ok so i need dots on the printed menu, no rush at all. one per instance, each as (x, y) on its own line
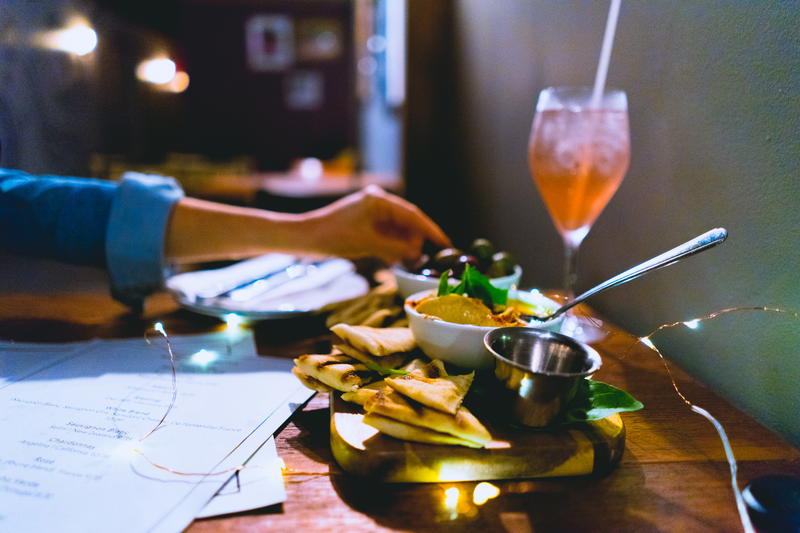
(77, 446)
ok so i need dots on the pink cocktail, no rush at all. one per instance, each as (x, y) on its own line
(578, 155)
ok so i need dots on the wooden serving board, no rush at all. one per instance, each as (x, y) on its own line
(580, 449)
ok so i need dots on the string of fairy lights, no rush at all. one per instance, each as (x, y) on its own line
(233, 322)
(485, 491)
(694, 324)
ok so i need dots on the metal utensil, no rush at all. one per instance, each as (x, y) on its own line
(698, 244)
(221, 290)
(539, 370)
(261, 286)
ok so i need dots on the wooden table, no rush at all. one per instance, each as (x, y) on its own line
(673, 475)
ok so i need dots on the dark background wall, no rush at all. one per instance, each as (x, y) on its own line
(47, 100)
(714, 91)
(56, 109)
(234, 110)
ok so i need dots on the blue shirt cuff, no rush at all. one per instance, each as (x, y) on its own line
(136, 235)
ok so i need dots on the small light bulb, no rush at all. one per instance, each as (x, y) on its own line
(158, 70)
(451, 497)
(647, 342)
(310, 169)
(159, 327)
(233, 321)
(203, 358)
(78, 38)
(692, 324)
(525, 386)
(484, 492)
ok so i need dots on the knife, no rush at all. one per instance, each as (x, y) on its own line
(218, 291)
(263, 285)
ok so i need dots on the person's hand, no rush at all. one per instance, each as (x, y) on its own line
(373, 222)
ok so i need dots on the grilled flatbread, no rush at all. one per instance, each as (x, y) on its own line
(388, 361)
(308, 381)
(463, 424)
(376, 341)
(445, 393)
(403, 431)
(414, 365)
(362, 309)
(362, 394)
(377, 318)
(401, 322)
(335, 370)
(432, 369)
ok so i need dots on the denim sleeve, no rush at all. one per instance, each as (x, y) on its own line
(55, 216)
(119, 226)
(136, 235)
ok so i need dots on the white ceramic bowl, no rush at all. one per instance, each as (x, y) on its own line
(408, 283)
(462, 344)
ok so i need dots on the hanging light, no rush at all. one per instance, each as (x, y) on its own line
(158, 70)
(78, 37)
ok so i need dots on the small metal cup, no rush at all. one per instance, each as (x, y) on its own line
(539, 370)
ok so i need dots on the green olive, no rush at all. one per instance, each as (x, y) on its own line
(503, 264)
(482, 249)
(446, 258)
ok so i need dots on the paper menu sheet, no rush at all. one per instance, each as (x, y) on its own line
(18, 360)
(258, 485)
(67, 459)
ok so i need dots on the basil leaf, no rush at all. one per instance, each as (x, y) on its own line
(594, 400)
(475, 285)
(444, 284)
(479, 286)
(459, 289)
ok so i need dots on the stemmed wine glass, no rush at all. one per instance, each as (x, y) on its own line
(578, 153)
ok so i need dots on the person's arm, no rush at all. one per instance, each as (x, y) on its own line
(120, 226)
(136, 226)
(371, 222)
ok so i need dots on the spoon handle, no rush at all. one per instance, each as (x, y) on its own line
(698, 244)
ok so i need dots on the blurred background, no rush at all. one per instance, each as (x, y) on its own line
(289, 104)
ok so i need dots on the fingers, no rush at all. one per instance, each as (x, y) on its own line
(393, 250)
(429, 228)
(396, 228)
(407, 214)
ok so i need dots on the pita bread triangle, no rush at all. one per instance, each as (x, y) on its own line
(376, 341)
(433, 369)
(387, 361)
(390, 403)
(445, 393)
(403, 431)
(362, 394)
(334, 370)
(309, 382)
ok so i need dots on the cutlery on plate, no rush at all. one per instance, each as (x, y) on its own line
(245, 273)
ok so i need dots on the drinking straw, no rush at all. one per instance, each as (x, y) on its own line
(605, 53)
